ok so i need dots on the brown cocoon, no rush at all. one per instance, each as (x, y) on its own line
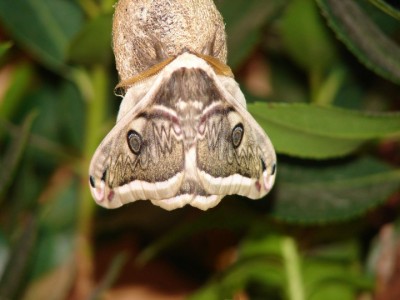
(146, 32)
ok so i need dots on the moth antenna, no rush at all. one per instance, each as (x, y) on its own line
(210, 46)
(161, 53)
(217, 50)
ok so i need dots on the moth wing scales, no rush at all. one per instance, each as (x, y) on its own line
(235, 183)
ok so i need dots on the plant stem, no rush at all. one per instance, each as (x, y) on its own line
(328, 90)
(108, 5)
(95, 112)
(94, 92)
(292, 267)
(90, 7)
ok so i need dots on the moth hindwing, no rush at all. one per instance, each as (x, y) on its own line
(183, 136)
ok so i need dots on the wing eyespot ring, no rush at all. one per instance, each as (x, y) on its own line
(237, 135)
(134, 141)
(273, 169)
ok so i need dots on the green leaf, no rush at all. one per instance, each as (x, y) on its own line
(363, 37)
(17, 265)
(244, 20)
(57, 222)
(63, 129)
(332, 193)
(96, 34)
(4, 47)
(268, 260)
(111, 276)
(286, 254)
(71, 123)
(330, 272)
(14, 154)
(261, 270)
(58, 214)
(43, 27)
(52, 249)
(305, 36)
(4, 250)
(20, 78)
(321, 132)
(386, 8)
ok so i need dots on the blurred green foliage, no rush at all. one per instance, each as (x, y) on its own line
(333, 70)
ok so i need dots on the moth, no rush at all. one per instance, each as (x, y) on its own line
(183, 136)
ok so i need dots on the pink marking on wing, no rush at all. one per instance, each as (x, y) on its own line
(258, 185)
(202, 128)
(166, 115)
(177, 129)
(111, 195)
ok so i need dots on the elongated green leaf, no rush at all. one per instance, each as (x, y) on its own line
(114, 270)
(363, 37)
(13, 155)
(321, 132)
(386, 8)
(329, 272)
(269, 260)
(263, 270)
(332, 193)
(56, 216)
(44, 27)
(96, 34)
(244, 19)
(4, 250)
(15, 271)
(304, 32)
(4, 48)
(19, 81)
(333, 280)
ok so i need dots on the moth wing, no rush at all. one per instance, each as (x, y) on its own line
(141, 157)
(234, 155)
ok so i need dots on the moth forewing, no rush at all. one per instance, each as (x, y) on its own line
(232, 87)
(113, 159)
(135, 95)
